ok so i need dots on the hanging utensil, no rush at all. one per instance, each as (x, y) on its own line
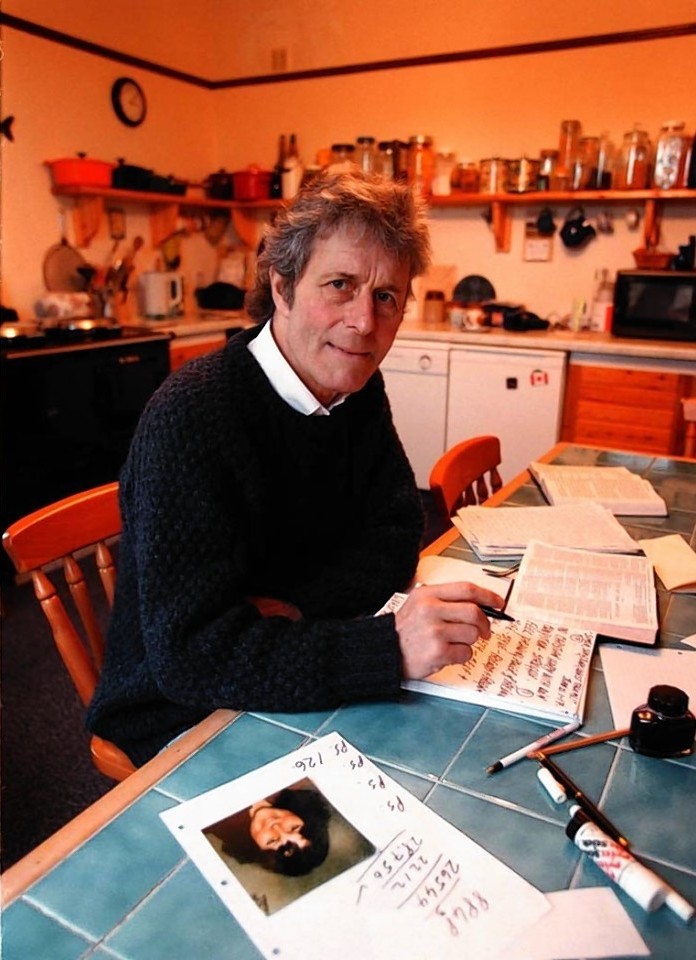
(62, 263)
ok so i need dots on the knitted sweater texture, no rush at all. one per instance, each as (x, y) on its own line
(228, 493)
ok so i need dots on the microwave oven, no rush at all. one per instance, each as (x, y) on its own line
(656, 304)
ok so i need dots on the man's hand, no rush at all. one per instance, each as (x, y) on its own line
(437, 625)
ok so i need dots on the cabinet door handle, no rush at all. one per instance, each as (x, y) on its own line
(129, 358)
(425, 362)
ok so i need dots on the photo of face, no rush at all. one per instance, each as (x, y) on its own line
(286, 844)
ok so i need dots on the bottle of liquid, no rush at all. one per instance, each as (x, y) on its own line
(670, 155)
(602, 303)
(276, 190)
(292, 170)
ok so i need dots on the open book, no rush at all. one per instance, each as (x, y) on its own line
(531, 668)
(623, 492)
(505, 533)
(612, 594)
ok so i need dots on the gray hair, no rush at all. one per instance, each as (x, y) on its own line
(386, 211)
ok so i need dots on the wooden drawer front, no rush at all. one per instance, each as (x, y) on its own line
(638, 409)
(180, 350)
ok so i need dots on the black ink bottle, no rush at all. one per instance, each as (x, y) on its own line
(664, 726)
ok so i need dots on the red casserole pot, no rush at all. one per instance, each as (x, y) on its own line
(80, 171)
(252, 184)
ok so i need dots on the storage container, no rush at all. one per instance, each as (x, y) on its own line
(80, 171)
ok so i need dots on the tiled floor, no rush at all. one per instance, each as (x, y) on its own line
(130, 893)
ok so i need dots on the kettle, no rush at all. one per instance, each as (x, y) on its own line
(161, 294)
(576, 231)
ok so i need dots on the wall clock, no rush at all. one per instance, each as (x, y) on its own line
(128, 101)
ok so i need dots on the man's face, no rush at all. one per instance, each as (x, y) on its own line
(347, 309)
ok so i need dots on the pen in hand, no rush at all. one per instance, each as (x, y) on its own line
(495, 614)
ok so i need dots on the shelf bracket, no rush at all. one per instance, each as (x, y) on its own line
(163, 220)
(652, 224)
(86, 216)
(500, 222)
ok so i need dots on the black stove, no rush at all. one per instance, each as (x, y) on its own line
(58, 338)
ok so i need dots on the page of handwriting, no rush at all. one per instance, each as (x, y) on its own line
(584, 587)
(427, 890)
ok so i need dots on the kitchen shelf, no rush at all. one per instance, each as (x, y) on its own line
(248, 216)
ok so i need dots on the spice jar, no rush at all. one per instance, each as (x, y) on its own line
(584, 175)
(466, 177)
(434, 307)
(421, 164)
(670, 155)
(494, 174)
(522, 175)
(632, 169)
(442, 176)
(365, 153)
(384, 163)
(567, 150)
(548, 164)
(343, 156)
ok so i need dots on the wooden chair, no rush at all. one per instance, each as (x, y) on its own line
(54, 536)
(459, 476)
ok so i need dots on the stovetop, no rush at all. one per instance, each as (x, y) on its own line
(56, 338)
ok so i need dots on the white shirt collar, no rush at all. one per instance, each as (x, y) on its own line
(283, 378)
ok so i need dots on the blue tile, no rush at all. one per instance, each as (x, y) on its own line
(419, 787)
(28, 934)
(184, 918)
(667, 937)
(652, 801)
(308, 723)
(113, 870)
(420, 732)
(537, 850)
(244, 745)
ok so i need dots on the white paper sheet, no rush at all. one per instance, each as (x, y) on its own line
(426, 891)
(559, 935)
(674, 562)
(630, 673)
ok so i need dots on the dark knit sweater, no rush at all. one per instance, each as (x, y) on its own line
(228, 492)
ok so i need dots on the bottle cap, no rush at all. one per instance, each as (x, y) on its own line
(554, 789)
(667, 700)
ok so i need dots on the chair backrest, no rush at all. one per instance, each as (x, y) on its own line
(466, 474)
(60, 535)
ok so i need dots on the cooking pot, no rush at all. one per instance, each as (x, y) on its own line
(576, 231)
(80, 171)
(128, 176)
(219, 185)
(252, 184)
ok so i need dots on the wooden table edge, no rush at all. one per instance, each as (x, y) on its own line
(17, 878)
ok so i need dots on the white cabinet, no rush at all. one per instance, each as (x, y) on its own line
(415, 375)
(515, 394)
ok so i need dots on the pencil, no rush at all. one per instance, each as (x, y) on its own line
(585, 742)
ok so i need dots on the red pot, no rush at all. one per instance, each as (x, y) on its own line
(252, 184)
(80, 171)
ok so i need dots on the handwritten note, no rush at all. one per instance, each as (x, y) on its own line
(528, 667)
(417, 888)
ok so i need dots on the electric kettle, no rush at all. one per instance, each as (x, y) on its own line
(161, 294)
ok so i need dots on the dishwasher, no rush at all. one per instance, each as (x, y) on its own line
(415, 376)
(515, 394)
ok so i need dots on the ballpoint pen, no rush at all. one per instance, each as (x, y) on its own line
(495, 614)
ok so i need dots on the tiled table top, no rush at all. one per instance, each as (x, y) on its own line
(129, 892)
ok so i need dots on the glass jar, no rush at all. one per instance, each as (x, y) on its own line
(585, 164)
(494, 175)
(442, 176)
(421, 164)
(670, 155)
(522, 175)
(343, 156)
(384, 163)
(466, 177)
(365, 151)
(633, 167)
(567, 149)
(605, 163)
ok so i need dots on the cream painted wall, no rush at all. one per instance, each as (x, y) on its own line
(60, 98)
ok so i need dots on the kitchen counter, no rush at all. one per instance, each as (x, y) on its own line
(584, 342)
(194, 324)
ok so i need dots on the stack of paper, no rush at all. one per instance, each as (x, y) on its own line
(504, 533)
(623, 492)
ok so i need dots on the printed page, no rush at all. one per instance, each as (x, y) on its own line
(585, 526)
(391, 877)
(531, 668)
(625, 493)
(613, 594)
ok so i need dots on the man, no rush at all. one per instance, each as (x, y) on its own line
(268, 507)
